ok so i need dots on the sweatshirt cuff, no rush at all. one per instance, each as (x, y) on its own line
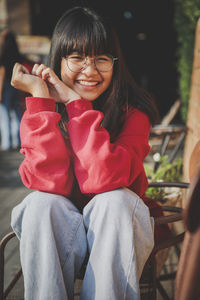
(37, 104)
(77, 107)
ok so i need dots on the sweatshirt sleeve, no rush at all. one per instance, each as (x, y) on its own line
(47, 163)
(99, 164)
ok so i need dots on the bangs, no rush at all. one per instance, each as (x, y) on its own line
(83, 31)
(87, 38)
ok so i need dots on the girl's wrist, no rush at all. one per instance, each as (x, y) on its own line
(71, 100)
(73, 96)
(40, 95)
(41, 92)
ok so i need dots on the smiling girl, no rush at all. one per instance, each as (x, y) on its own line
(84, 136)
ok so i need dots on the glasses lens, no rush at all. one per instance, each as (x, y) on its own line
(104, 63)
(75, 63)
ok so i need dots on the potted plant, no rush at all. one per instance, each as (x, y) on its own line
(166, 172)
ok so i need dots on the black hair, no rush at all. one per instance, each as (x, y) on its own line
(9, 53)
(81, 29)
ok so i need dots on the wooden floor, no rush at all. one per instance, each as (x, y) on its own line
(12, 191)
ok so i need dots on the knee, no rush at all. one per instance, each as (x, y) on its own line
(39, 202)
(39, 210)
(34, 205)
(116, 203)
(39, 207)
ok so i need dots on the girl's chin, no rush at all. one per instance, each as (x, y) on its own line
(88, 98)
(90, 93)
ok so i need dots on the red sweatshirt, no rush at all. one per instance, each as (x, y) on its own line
(99, 165)
(87, 162)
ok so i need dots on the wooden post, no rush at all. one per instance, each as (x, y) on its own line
(193, 121)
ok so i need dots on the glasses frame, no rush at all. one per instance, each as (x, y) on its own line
(93, 61)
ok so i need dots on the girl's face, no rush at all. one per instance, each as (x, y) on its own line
(89, 83)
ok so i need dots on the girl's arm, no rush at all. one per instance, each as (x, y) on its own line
(47, 163)
(100, 165)
(41, 82)
(27, 82)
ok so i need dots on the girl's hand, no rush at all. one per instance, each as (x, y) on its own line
(57, 89)
(24, 81)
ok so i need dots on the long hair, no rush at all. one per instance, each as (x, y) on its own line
(82, 30)
(10, 53)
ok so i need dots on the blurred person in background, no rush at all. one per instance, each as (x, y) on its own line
(10, 98)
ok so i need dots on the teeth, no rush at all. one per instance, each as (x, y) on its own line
(91, 83)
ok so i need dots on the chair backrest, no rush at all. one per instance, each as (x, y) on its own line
(171, 113)
(187, 285)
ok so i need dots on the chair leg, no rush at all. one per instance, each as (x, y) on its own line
(154, 296)
(177, 147)
(148, 281)
(1, 272)
(162, 291)
(3, 244)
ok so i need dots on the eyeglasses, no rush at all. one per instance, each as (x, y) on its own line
(77, 63)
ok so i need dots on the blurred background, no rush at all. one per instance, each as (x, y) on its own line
(157, 38)
(145, 28)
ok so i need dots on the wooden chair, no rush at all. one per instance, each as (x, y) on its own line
(149, 281)
(163, 134)
(3, 243)
(187, 285)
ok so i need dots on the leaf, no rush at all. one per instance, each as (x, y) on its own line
(166, 172)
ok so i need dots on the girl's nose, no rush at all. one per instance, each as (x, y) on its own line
(89, 67)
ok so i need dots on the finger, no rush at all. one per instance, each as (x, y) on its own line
(38, 70)
(48, 74)
(22, 79)
(16, 67)
(17, 71)
(25, 70)
(34, 69)
(20, 68)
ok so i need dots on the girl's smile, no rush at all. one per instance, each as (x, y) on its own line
(89, 83)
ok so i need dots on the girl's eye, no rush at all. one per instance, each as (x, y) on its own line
(76, 58)
(102, 59)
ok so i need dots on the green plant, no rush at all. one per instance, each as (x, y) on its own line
(166, 172)
(186, 15)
